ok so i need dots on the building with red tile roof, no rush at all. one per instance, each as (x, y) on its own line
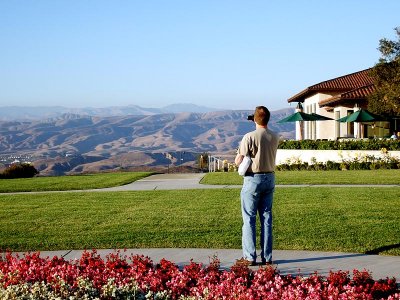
(336, 98)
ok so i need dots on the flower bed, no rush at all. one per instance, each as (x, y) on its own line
(337, 160)
(136, 277)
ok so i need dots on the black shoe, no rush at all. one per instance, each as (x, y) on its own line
(266, 263)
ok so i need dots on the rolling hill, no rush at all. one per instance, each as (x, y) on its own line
(77, 143)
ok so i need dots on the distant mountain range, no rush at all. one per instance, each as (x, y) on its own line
(75, 143)
(25, 113)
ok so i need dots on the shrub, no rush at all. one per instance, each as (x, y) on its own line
(359, 163)
(331, 165)
(19, 171)
(370, 144)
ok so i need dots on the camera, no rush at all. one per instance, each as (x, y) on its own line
(250, 118)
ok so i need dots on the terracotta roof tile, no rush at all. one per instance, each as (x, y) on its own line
(356, 94)
(340, 84)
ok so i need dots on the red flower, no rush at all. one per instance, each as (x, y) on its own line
(117, 277)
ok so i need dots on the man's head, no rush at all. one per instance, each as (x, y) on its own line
(261, 115)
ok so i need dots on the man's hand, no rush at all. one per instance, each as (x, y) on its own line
(238, 159)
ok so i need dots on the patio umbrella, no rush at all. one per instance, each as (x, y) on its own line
(320, 117)
(361, 115)
(302, 116)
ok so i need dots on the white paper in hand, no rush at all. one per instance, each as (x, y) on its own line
(244, 165)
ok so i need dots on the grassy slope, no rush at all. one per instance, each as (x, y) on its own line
(326, 219)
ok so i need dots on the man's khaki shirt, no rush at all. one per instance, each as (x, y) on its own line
(261, 145)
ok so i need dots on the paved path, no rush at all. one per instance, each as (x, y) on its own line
(169, 182)
(287, 262)
(192, 181)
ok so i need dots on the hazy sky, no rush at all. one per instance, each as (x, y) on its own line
(218, 53)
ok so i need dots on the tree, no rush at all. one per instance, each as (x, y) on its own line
(386, 73)
(203, 161)
(19, 171)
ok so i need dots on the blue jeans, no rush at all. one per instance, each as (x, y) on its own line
(257, 196)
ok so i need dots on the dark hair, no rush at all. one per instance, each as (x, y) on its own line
(261, 115)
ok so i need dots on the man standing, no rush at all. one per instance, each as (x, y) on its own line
(258, 186)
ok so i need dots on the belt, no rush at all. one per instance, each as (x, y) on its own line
(252, 173)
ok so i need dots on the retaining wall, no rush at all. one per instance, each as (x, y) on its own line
(285, 156)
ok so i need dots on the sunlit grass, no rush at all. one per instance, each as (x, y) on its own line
(324, 219)
(380, 176)
(75, 182)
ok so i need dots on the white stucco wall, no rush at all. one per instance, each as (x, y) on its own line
(344, 126)
(285, 156)
(318, 129)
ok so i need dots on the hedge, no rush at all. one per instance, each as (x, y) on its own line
(370, 144)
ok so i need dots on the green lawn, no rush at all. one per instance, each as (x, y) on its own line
(325, 219)
(314, 177)
(104, 180)
(76, 182)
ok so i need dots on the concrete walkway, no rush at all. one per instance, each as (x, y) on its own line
(287, 262)
(174, 181)
(180, 181)
(192, 181)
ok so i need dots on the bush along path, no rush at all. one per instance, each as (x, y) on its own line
(137, 277)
